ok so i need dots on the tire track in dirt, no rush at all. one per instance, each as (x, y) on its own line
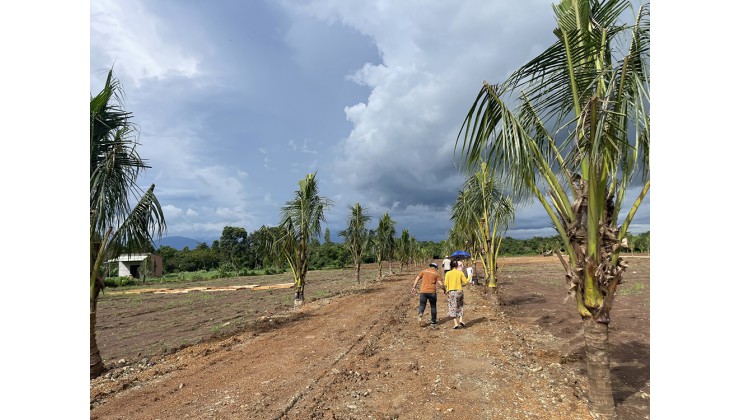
(239, 376)
(488, 370)
(357, 355)
(318, 389)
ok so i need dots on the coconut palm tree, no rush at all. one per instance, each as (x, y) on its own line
(115, 226)
(571, 128)
(482, 212)
(300, 222)
(382, 241)
(404, 248)
(262, 243)
(356, 235)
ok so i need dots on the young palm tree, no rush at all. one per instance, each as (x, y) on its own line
(115, 226)
(301, 222)
(483, 212)
(579, 132)
(404, 248)
(383, 242)
(415, 252)
(356, 235)
(262, 242)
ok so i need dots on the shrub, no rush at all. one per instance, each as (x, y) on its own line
(119, 281)
(226, 269)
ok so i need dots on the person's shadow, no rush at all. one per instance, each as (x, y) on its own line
(474, 321)
(445, 319)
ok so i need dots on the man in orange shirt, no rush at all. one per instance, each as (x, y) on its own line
(430, 278)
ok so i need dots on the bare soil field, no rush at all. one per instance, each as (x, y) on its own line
(230, 349)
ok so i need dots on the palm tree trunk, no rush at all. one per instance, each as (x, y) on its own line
(298, 300)
(96, 362)
(601, 397)
(493, 296)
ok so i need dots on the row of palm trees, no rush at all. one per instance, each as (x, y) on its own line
(571, 130)
(481, 216)
(300, 223)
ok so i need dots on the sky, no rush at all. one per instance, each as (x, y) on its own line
(237, 101)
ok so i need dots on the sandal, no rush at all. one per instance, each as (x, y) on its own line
(456, 327)
(462, 324)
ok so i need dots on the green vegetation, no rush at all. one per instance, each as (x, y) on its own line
(300, 223)
(481, 216)
(381, 242)
(571, 130)
(330, 255)
(356, 235)
(120, 281)
(115, 226)
(549, 281)
(631, 289)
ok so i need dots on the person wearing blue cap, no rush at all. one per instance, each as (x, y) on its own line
(430, 279)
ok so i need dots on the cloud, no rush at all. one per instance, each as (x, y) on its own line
(128, 35)
(171, 212)
(304, 148)
(434, 57)
(236, 103)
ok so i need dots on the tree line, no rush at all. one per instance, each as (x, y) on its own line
(243, 252)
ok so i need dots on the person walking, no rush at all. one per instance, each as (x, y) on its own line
(454, 281)
(430, 279)
(446, 264)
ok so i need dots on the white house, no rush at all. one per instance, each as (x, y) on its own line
(129, 265)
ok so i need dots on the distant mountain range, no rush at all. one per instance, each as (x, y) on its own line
(179, 242)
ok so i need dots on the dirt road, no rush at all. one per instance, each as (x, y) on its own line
(359, 355)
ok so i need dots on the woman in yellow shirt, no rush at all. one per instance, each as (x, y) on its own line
(454, 281)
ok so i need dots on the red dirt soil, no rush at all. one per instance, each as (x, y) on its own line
(362, 354)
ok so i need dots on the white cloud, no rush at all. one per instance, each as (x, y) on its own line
(131, 38)
(214, 196)
(304, 148)
(171, 212)
(434, 58)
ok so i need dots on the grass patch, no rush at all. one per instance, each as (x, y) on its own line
(514, 268)
(549, 281)
(136, 300)
(206, 296)
(120, 281)
(631, 289)
(321, 294)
